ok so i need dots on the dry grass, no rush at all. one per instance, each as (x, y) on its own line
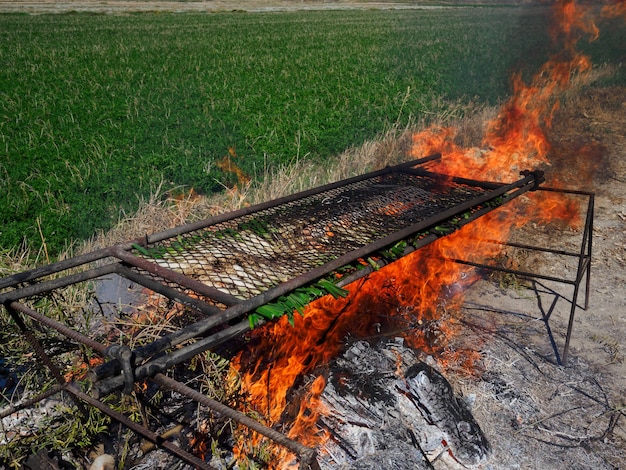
(162, 211)
(15, 260)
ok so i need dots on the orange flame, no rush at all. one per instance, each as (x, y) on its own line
(200, 442)
(618, 8)
(226, 164)
(416, 296)
(304, 428)
(516, 139)
(79, 370)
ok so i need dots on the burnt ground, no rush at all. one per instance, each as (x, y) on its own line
(536, 413)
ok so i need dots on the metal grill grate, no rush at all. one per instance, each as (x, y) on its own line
(248, 255)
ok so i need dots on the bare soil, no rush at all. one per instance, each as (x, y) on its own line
(125, 6)
(536, 413)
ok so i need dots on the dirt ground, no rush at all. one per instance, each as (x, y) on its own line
(124, 6)
(536, 413)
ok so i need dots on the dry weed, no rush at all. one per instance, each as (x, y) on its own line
(161, 211)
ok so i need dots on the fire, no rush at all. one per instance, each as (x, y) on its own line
(226, 164)
(79, 370)
(416, 296)
(413, 305)
(304, 428)
(618, 8)
(516, 139)
(200, 442)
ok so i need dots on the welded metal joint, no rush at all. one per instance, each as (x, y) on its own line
(124, 355)
(538, 175)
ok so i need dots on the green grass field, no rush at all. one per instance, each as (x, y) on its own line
(96, 110)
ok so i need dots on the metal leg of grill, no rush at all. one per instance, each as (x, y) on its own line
(583, 271)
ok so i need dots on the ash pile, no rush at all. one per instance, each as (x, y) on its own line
(387, 409)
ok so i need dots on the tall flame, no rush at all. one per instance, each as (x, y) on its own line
(516, 139)
(414, 297)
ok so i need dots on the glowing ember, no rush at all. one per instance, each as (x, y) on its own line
(200, 442)
(415, 296)
(81, 368)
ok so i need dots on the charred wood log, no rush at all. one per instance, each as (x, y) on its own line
(434, 397)
(386, 409)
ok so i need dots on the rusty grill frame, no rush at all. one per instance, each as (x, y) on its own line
(223, 311)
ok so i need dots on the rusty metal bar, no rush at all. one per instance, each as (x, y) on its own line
(452, 179)
(307, 455)
(584, 267)
(589, 225)
(531, 247)
(40, 351)
(28, 276)
(420, 161)
(166, 291)
(58, 326)
(584, 256)
(518, 272)
(108, 385)
(48, 286)
(32, 401)
(178, 278)
(146, 433)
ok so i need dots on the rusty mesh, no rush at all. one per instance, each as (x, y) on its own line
(250, 254)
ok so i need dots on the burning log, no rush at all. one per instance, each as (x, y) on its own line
(384, 408)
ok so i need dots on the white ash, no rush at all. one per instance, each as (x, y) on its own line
(386, 409)
(30, 421)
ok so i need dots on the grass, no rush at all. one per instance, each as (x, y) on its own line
(96, 110)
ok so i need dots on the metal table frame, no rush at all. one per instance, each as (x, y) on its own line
(222, 311)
